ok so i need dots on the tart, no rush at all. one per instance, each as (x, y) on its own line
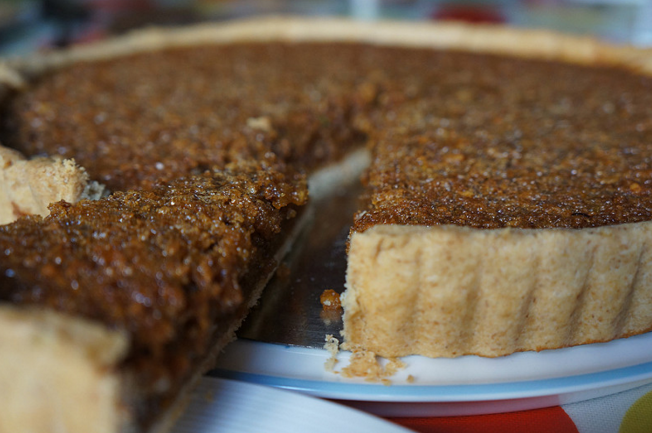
(446, 256)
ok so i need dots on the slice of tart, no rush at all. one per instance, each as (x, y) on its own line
(207, 189)
(508, 209)
(113, 307)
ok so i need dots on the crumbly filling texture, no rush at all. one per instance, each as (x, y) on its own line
(138, 120)
(490, 142)
(469, 139)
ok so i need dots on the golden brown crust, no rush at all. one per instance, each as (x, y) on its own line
(456, 291)
(59, 372)
(540, 44)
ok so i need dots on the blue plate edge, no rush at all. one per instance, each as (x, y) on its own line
(448, 393)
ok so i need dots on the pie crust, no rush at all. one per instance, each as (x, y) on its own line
(27, 187)
(435, 291)
(458, 291)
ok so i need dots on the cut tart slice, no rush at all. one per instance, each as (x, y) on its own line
(161, 272)
(147, 287)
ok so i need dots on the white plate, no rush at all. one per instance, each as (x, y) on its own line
(460, 386)
(224, 406)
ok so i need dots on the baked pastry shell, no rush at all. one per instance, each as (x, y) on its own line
(448, 291)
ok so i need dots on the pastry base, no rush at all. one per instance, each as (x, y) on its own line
(449, 291)
(53, 363)
(27, 187)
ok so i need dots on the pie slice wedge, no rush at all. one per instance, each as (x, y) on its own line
(112, 308)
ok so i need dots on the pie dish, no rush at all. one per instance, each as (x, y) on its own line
(413, 287)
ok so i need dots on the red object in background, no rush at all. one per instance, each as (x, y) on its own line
(552, 419)
(469, 14)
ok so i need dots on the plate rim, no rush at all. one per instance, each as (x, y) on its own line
(620, 375)
(202, 412)
(637, 375)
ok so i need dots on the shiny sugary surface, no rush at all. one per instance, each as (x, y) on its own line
(150, 117)
(491, 142)
(458, 138)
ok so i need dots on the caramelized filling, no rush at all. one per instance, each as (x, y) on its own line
(477, 140)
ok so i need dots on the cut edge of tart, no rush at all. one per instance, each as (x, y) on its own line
(76, 365)
(66, 371)
(52, 363)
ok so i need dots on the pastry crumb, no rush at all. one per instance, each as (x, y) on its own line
(260, 123)
(331, 307)
(367, 365)
(330, 300)
(28, 186)
(410, 379)
(333, 347)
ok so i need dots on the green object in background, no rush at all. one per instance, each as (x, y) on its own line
(638, 418)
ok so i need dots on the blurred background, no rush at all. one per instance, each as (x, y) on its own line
(31, 25)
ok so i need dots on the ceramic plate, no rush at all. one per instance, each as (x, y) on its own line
(459, 386)
(225, 406)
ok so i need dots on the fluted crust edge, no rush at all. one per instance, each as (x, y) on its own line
(448, 291)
